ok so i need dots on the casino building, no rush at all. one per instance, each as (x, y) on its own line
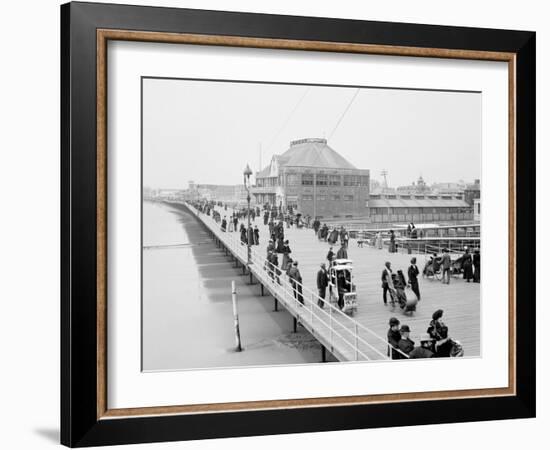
(314, 179)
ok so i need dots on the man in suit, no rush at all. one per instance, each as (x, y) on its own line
(387, 282)
(405, 344)
(330, 256)
(342, 252)
(394, 336)
(322, 283)
(296, 282)
(413, 278)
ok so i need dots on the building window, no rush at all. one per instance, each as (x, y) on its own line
(307, 179)
(348, 198)
(292, 179)
(307, 197)
(321, 198)
(336, 197)
(365, 180)
(352, 180)
(334, 180)
(321, 180)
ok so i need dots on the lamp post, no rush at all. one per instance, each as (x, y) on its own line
(246, 177)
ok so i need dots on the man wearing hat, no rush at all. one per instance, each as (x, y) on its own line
(322, 283)
(394, 336)
(424, 350)
(330, 256)
(296, 282)
(387, 282)
(405, 344)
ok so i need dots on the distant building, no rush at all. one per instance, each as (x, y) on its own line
(376, 187)
(226, 193)
(471, 192)
(418, 208)
(314, 179)
(149, 193)
(452, 188)
(169, 194)
(420, 187)
(477, 209)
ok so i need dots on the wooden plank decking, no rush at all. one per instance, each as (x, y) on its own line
(459, 300)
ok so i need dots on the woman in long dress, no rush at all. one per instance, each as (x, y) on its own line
(467, 265)
(392, 242)
(243, 234)
(286, 257)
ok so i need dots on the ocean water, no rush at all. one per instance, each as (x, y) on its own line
(187, 309)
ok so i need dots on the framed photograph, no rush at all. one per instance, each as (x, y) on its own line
(275, 224)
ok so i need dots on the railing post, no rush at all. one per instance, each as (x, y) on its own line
(330, 325)
(236, 316)
(356, 342)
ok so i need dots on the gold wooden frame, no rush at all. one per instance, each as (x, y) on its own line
(104, 35)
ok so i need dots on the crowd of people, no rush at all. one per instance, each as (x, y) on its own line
(468, 264)
(434, 343)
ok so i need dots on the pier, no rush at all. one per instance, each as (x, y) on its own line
(350, 338)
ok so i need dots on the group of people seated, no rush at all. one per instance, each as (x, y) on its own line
(467, 264)
(434, 343)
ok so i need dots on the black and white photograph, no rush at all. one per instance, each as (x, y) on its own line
(287, 224)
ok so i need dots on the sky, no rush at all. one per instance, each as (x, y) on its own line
(207, 131)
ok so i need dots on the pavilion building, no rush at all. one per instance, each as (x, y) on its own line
(314, 180)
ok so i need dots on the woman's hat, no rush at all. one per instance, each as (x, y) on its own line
(394, 321)
(438, 314)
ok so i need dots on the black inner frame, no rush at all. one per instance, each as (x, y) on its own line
(79, 424)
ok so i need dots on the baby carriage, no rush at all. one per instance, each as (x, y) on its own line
(399, 296)
(432, 268)
(457, 351)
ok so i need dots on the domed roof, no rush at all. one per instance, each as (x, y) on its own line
(313, 152)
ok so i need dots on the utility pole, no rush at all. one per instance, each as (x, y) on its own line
(384, 173)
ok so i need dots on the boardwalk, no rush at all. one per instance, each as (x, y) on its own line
(459, 300)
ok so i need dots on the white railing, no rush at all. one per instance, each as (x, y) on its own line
(339, 332)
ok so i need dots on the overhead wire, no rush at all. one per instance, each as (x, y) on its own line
(287, 120)
(344, 114)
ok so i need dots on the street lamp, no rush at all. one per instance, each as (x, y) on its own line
(246, 178)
